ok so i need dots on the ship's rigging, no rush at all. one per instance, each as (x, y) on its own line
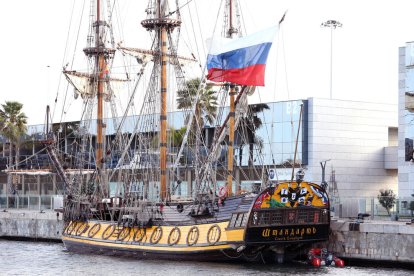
(123, 187)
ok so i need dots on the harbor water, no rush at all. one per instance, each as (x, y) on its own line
(42, 258)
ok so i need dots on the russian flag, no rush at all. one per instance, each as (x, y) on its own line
(240, 61)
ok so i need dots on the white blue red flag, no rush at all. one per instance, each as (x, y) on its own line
(240, 61)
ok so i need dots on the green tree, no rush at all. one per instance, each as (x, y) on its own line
(387, 199)
(174, 136)
(206, 106)
(12, 126)
(248, 126)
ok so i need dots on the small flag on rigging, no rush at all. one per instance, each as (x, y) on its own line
(241, 61)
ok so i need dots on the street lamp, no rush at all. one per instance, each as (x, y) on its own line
(324, 184)
(332, 24)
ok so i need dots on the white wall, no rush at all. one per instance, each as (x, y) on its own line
(353, 135)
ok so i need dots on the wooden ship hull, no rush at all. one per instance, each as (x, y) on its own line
(249, 227)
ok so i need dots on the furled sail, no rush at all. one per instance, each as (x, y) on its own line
(144, 56)
(84, 84)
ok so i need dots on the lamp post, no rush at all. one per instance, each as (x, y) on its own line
(324, 184)
(332, 24)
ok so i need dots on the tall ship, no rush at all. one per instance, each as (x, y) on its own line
(124, 191)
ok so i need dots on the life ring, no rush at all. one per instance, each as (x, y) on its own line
(223, 192)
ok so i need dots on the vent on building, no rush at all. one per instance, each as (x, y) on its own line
(409, 101)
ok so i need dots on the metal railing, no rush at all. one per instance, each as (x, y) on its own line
(31, 202)
(350, 207)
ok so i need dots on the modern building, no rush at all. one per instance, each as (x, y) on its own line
(406, 121)
(358, 141)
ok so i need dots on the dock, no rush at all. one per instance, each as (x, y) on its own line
(375, 240)
(31, 224)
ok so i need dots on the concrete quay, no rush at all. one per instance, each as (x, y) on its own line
(30, 224)
(390, 241)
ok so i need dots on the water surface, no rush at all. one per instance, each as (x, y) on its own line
(41, 258)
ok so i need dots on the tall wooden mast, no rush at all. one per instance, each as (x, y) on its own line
(101, 54)
(162, 25)
(162, 34)
(232, 93)
(100, 65)
(230, 150)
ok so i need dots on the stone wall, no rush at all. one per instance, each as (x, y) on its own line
(30, 224)
(374, 240)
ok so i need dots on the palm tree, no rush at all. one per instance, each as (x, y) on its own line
(247, 129)
(206, 106)
(12, 125)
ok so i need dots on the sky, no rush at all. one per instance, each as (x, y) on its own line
(365, 50)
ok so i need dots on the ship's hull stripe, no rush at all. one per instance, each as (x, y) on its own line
(122, 246)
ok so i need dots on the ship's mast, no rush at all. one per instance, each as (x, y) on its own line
(100, 65)
(101, 54)
(231, 141)
(162, 25)
(232, 93)
(162, 34)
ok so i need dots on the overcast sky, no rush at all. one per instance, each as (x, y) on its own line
(365, 49)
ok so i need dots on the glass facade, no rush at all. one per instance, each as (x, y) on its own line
(275, 140)
(274, 145)
(278, 134)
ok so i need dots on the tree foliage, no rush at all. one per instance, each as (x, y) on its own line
(206, 105)
(248, 126)
(387, 199)
(12, 120)
(12, 124)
